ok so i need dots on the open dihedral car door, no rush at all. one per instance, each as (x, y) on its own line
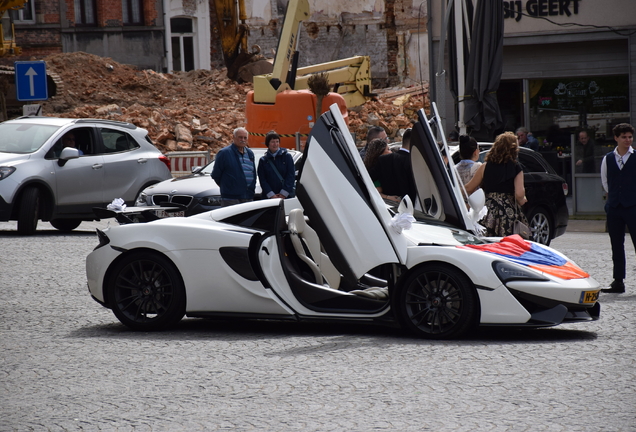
(439, 192)
(343, 206)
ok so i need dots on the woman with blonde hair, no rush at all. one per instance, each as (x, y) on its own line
(501, 178)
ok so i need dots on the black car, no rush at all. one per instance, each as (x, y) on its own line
(546, 209)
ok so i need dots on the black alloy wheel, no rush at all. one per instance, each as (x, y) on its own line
(146, 292)
(66, 224)
(437, 301)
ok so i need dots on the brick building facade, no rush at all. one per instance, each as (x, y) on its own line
(129, 31)
(135, 32)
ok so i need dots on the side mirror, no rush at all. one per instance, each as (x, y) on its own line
(67, 153)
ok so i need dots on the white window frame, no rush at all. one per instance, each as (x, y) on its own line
(18, 15)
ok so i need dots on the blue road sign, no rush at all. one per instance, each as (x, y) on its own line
(30, 80)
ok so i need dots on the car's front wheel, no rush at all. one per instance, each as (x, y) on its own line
(146, 292)
(437, 301)
(541, 227)
(29, 211)
(66, 224)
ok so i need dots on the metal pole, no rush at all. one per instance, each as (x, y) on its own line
(461, 75)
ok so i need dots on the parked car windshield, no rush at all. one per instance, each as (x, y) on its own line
(24, 138)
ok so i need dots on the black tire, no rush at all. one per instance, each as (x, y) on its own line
(66, 224)
(29, 212)
(541, 225)
(146, 292)
(437, 301)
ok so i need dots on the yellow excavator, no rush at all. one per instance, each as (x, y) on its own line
(280, 100)
(7, 32)
(241, 64)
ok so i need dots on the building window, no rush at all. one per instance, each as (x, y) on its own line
(85, 12)
(561, 107)
(24, 15)
(182, 44)
(132, 11)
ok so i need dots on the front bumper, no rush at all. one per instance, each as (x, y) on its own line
(547, 312)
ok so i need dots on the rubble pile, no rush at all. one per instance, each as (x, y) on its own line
(195, 110)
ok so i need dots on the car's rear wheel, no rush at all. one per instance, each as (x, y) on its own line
(541, 227)
(29, 211)
(66, 224)
(146, 292)
(437, 301)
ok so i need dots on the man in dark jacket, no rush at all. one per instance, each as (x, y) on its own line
(395, 174)
(374, 132)
(618, 175)
(234, 170)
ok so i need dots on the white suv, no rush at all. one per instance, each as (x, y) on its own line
(44, 176)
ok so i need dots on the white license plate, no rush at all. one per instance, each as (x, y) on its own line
(165, 214)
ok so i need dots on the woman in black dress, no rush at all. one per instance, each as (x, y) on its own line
(501, 178)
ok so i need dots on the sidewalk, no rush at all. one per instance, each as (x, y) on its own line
(581, 225)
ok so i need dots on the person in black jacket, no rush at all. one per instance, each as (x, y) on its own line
(276, 171)
(618, 175)
(586, 148)
(394, 172)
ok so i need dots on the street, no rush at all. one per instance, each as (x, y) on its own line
(68, 364)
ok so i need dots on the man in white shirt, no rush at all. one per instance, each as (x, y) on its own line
(618, 175)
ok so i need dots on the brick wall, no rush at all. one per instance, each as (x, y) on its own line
(55, 31)
(374, 33)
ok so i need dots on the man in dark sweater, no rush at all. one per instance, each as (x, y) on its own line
(395, 174)
(618, 174)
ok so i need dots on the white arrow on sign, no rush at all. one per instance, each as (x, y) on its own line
(30, 73)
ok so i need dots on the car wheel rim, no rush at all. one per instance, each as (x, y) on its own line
(434, 302)
(540, 227)
(144, 291)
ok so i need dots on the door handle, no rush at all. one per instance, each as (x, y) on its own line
(97, 166)
(142, 160)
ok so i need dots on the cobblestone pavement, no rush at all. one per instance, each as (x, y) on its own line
(67, 363)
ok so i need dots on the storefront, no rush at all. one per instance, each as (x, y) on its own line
(569, 66)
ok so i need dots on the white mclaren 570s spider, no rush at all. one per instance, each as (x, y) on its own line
(337, 252)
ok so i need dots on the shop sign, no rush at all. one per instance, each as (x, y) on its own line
(600, 94)
(540, 8)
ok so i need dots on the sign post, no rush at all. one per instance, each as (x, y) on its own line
(30, 80)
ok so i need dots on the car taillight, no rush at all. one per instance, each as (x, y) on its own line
(565, 188)
(166, 160)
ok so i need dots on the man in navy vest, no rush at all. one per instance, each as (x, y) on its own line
(618, 174)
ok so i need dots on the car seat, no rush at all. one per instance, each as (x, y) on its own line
(307, 246)
(121, 144)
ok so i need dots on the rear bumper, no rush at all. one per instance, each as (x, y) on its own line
(561, 221)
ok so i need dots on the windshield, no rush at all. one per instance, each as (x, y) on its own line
(24, 138)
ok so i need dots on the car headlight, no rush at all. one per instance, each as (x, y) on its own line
(141, 200)
(211, 201)
(508, 271)
(6, 171)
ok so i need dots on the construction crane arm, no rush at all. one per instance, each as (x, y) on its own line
(351, 77)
